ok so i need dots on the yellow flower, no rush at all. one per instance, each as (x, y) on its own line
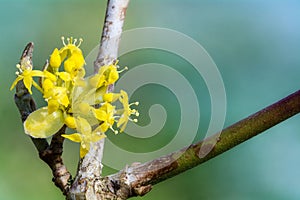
(91, 105)
(126, 111)
(26, 74)
(74, 60)
(107, 75)
(55, 96)
(105, 114)
(85, 136)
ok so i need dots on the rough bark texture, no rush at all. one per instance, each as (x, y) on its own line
(138, 179)
(111, 34)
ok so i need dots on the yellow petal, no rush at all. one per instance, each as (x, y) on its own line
(104, 127)
(63, 53)
(110, 97)
(47, 84)
(37, 73)
(49, 75)
(69, 64)
(83, 151)
(28, 83)
(64, 100)
(55, 59)
(97, 81)
(15, 82)
(100, 114)
(65, 76)
(70, 122)
(53, 106)
(40, 124)
(75, 137)
(78, 58)
(113, 76)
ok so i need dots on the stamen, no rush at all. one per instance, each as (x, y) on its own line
(75, 40)
(115, 131)
(68, 39)
(133, 120)
(125, 68)
(134, 103)
(18, 73)
(80, 41)
(63, 40)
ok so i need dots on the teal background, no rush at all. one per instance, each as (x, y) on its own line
(255, 45)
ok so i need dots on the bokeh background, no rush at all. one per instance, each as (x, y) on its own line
(255, 45)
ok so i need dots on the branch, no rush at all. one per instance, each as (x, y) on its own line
(137, 180)
(90, 167)
(111, 33)
(50, 154)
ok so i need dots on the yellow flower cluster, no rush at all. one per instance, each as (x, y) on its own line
(82, 104)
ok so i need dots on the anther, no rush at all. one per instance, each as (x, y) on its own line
(75, 40)
(115, 131)
(80, 41)
(124, 69)
(63, 40)
(134, 103)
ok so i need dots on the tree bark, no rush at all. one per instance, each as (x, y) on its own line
(139, 178)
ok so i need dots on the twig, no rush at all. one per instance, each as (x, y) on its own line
(139, 178)
(50, 154)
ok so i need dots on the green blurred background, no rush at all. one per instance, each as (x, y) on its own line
(255, 45)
